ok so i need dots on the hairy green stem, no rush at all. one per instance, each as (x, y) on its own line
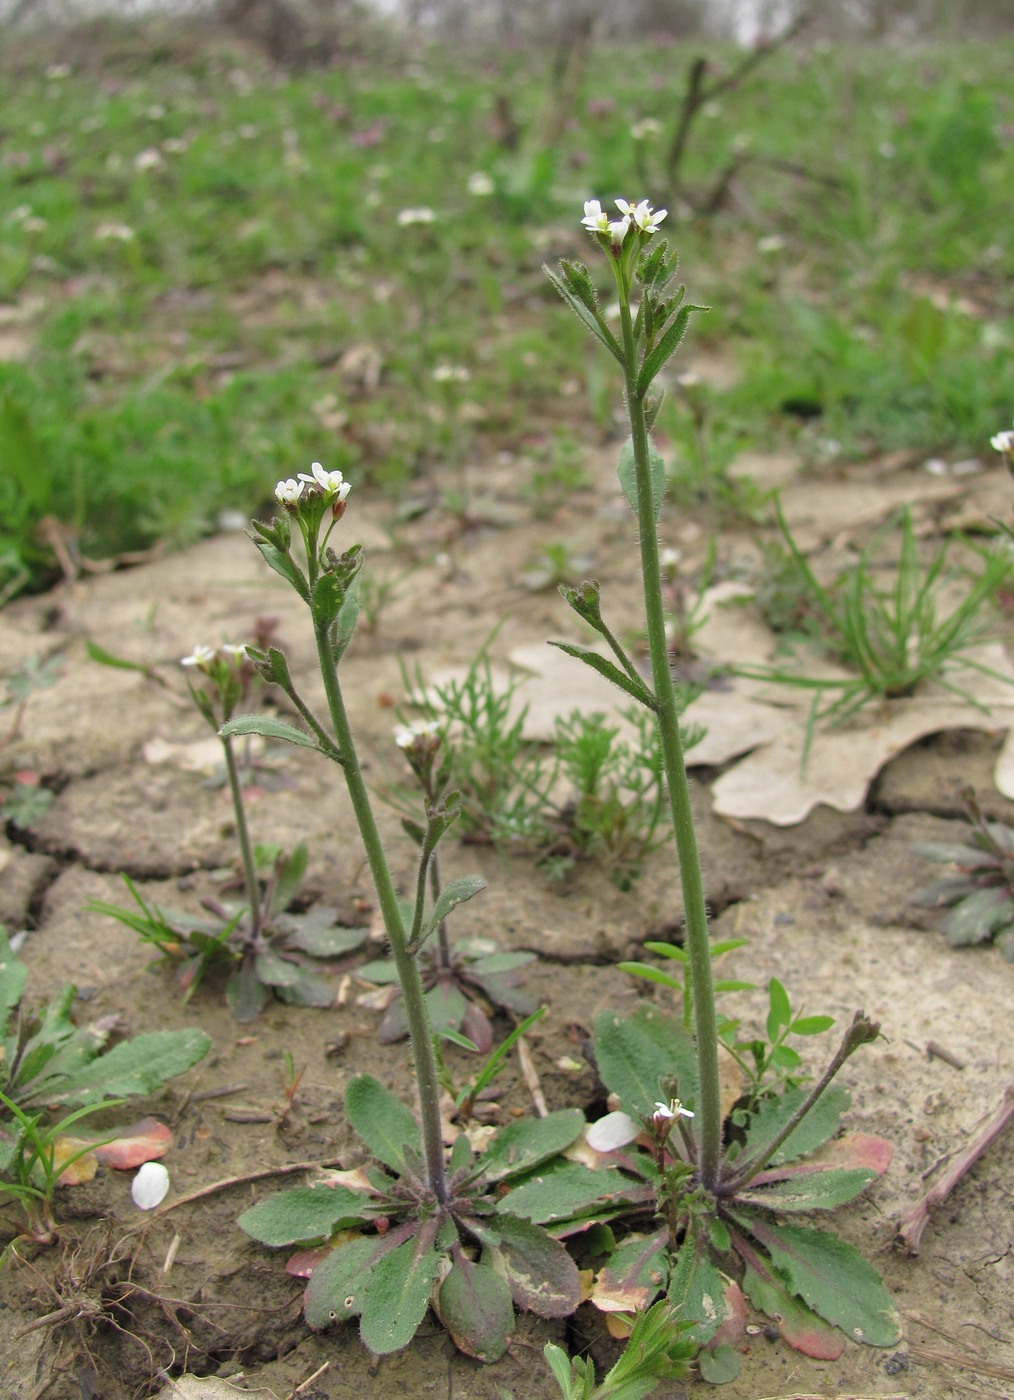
(667, 709)
(253, 889)
(420, 1032)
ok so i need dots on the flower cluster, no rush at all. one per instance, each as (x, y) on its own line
(637, 216)
(206, 658)
(318, 484)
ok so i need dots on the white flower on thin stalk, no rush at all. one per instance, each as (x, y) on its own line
(451, 374)
(480, 185)
(201, 656)
(287, 493)
(333, 484)
(150, 1186)
(665, 1112)
(646, 128)
(642, 215)
(1003, 442)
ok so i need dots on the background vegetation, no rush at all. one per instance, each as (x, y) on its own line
(204, 282)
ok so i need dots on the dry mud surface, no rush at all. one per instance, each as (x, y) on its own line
(120, 1297)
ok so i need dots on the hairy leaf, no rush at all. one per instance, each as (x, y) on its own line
(628, 477)
(397, 1294)
(383, 1122)
(303, 1213)
(337, 1284)
(474, 1303)
(635, 1054)
(524, 1144)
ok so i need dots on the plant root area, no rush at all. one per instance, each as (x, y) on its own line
(180, 1302)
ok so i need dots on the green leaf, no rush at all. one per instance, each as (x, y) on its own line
(397, 1295)
(781, 1012)
(245, 993)
(337, 1284)
(811, 1025)
(475, 1305)
(285, 565)
(540, 1273)
(303, 1214)
(275, 971)
(609, 670)
(634, 1056)
(317, 934)
(457, 892)
(833, 1279)
(13, 975)
(290, 876)
(327, 599)
(720, 1366)
(598, 329)
(628, 477)
(978, 916)
(106, 658)
(798, 1325)
(270, 727)
(666, 347)
(650, 973)
(524, 1144)
(635, 1273)
(820, 1123)
(382, 1121)
(135, 1067)
(816, 1191)
(564, 1191)
(697, 1288)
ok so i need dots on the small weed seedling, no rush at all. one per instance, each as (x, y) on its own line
(980, 890)
(894, 638)
(262, 945)
(714, 1191)
(48, 1064)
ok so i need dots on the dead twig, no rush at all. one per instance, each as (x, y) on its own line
(914, 1222)
(531, 1078)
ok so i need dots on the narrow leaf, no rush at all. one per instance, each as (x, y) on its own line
(609, 670)
(457, 892)
(134, 1068)
(666, 347)
(270, 727)
(598, 329)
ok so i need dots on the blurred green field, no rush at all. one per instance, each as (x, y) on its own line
(204, 282)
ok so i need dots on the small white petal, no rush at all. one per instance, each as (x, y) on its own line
(612, 1131)
(150, 1186)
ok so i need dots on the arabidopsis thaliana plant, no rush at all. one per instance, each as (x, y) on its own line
(331, 483)
(287, 493)
(150, 1186)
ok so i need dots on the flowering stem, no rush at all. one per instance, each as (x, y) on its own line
(420, 1032)
(253, 889)
(667, 710)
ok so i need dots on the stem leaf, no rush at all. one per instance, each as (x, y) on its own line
(269, 727)
(628, 480)
(609, 671)
(666, 347)
(597, 327)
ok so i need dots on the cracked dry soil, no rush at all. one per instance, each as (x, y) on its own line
(120, 1298)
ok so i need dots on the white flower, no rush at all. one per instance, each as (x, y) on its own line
(642, 215)
(408, 734)
(1003, 442)
(333, 484)
(451, 374)
(201, 656)
(646, 128)
(287, 493)
(114, 233)
(421, 215)
(237, 653)
(612, 1131)
(150, 1185)
(673, 1109)
(596, 220)
(480, 184)
(151, 159)
(770, 243)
